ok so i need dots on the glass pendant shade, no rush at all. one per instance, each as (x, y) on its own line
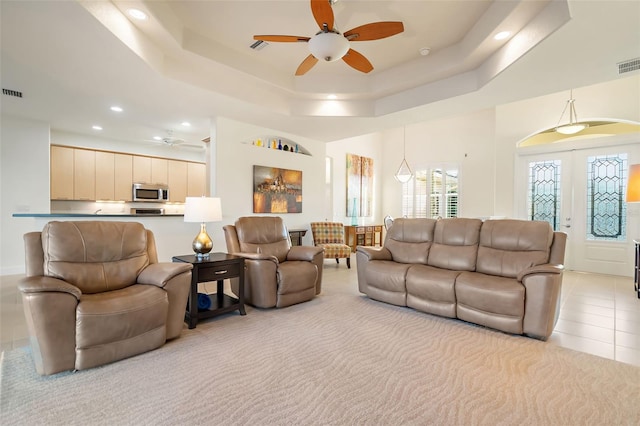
(328, 46)
(404, 173)
(573, 126)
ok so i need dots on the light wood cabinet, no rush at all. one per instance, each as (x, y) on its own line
(363, 236)
(61, 173)
(196, 179)
(105, 175)
(123, 179)
(141, 169)
(159, 171)
(177, 180)
(84, 174)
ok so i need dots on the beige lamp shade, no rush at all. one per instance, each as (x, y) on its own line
(633, 187)
(202, 209)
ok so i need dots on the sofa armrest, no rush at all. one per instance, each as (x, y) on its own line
(547, 268)
(256, 256)
(159, 274)
(303, 253)
(41, 284)
(375, 253)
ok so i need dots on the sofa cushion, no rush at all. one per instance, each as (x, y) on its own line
(507, 247)
(455, 244)
(496, 302)
(432, 290)
(409, 240)
(386, 281)
(95, 256)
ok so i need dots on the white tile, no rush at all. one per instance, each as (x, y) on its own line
(592, 332)
(627, 355)
(582, 344)
(628, 340)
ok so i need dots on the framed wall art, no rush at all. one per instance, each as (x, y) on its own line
(359, 186)
(276, 190)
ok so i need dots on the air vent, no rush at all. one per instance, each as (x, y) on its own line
(9, 92)
(628, 66)
(258, 45)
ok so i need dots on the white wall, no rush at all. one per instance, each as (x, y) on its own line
(366, 146)
(24, 181)
(465, 141)
(232, 179)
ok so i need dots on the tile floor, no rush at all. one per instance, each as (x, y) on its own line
(600, 314)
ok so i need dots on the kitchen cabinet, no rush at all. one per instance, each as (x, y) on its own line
(123, 179)
(61, 173)
(177, 180)
(105, 175)
(159, 171)
(141, 169)
(84, 174)
(196, 179)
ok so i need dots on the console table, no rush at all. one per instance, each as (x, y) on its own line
(217, 267)
(369, 235)
(296, 236)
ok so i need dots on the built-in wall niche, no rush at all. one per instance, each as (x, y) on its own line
(277, 143)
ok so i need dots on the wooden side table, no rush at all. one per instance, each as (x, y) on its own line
(367, 235)
(217, 267)
(296, 236)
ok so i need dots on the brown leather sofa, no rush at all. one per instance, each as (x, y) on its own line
(503, 274)
(95, 293)
(277, 274)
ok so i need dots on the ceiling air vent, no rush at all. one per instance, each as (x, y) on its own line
(9, 92)
(628, 66)
(259, 45)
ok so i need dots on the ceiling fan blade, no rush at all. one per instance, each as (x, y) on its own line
(357, 61)
(375, 31)
(281, 38)
(306, 65)
(322, 13)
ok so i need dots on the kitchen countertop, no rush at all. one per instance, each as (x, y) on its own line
(93, 215)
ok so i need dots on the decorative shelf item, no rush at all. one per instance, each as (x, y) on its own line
(278, 143)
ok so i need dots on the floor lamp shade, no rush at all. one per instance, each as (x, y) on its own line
(202, 210)
(633, 187)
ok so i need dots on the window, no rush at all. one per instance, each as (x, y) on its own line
(606, 208)
(431, 193)
(544, 192)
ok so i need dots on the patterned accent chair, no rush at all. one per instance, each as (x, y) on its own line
(330, 236)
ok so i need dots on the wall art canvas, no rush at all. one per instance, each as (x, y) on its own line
(277, 190)
(359, 186)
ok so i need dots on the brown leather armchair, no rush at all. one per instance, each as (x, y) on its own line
(277, 274)
(95, 293)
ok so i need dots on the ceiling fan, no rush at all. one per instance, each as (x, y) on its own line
(330, 45)
(172, 141)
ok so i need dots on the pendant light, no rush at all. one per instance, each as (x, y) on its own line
(573, 126)
(404, 173)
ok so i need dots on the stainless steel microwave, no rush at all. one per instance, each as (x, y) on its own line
(151, 193)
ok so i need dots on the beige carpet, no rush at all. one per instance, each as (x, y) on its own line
(340, 359)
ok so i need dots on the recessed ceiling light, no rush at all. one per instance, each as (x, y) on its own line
(157, 138)
(116, 108)
(186, 124)
(96, 127)
(332, 96)
(137, 14)
(502, 35)
(425, 51)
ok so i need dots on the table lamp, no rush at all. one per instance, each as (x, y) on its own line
(633, 186)
(202, 209)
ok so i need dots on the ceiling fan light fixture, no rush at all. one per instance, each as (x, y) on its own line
(329, 46)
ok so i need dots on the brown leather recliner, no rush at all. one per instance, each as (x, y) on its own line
(277, 274)
(95, 293)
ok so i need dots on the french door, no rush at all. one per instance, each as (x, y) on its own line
(582, 192)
